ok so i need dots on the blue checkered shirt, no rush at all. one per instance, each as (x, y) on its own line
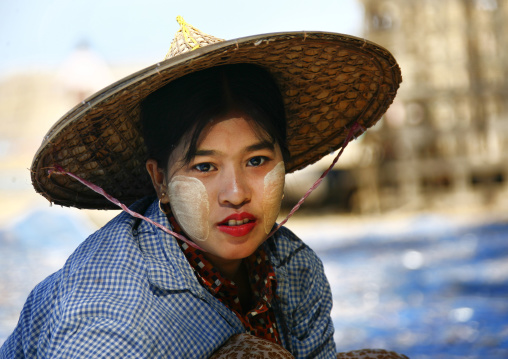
(129, 292)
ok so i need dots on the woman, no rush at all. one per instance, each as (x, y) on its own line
(211, 133)
(219, 170)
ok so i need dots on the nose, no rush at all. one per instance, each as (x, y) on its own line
(234, 188)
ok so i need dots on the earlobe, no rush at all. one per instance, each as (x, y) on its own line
(158, 179)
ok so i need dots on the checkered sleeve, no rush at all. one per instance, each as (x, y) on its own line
(101, 338)
(313, 325)
(308, 299)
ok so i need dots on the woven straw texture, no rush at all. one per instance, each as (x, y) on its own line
(328, 82)
(188, 38)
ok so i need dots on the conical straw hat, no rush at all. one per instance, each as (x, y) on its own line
(329, 82)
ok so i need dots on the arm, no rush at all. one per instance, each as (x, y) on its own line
(99, 338)
(305, 299)
(312, 326)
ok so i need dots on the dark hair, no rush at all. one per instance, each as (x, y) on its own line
(190, 102)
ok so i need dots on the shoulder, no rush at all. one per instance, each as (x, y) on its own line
(295, 264)
(113, 244)
(288, 249)
(109, 262)
(106, 275)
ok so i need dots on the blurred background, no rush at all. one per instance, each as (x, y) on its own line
(412, 224)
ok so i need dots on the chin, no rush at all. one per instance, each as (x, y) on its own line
(237, 252)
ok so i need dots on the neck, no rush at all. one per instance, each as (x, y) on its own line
(228, 267)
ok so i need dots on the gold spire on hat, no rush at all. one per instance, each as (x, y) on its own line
(188, 38)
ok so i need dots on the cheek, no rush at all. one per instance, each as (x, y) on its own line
(272, 195)
(189, 203)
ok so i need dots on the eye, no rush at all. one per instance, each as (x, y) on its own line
(204, 167)
(257, 161)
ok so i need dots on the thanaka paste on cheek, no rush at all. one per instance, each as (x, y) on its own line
(272, 195)
(189, 203)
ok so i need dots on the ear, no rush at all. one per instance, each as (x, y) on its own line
(158, 180)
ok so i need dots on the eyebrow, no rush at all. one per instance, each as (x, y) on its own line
(262, 145)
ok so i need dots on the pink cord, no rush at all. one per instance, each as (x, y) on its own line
(351, 134)
(59, 170)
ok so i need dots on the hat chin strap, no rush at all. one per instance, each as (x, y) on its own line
(351, 134)
(57, 169)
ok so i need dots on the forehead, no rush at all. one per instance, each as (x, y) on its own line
(235, 130)
(227, 134)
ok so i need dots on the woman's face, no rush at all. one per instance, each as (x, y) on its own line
(228, 197)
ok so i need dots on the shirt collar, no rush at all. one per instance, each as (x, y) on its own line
(167, 267)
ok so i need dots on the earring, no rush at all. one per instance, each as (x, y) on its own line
(162, 208)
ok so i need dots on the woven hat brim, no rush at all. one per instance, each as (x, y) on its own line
(328, 82)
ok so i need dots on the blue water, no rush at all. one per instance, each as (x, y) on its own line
(434, 291)
(424, 295)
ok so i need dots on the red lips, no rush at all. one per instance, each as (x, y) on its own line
(237, 230)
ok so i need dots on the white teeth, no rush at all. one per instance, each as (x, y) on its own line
(233, 222)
